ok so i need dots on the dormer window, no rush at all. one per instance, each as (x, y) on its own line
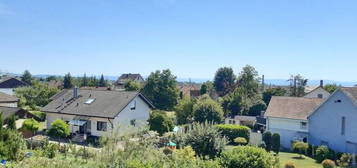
(338, 101)
(133, 105)
(320, 96)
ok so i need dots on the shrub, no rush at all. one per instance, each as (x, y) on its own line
(12, 145)
(328, 163)
(275, 142)
(160, 122)
(322, 153)
(267, 140)
(300, 147)
(240, 141)
(186, 153)
(59, 129)
(289, 165)
(204, 138)
(246, 157)
(233, 131)
(40, 115)
(344, 160)
(51, 150)
(207, 109)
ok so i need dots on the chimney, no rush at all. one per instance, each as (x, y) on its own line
(321, 83)
(76, 92)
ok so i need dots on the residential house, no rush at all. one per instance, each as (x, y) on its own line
(334, 123)
(318, 92)
(288, 117)
(241, 120)
(7, 112)
(119, 84)
(8, 85)
(95, 112)
(189, 90)
(8, 100)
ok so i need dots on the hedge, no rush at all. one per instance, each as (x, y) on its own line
(233, 131)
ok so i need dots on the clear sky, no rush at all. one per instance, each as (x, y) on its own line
(316, 38)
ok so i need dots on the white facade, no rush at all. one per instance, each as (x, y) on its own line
(334, 124)
(9, 91)
(14, 104)
(318, 93)
(289, 129)
(137, 116)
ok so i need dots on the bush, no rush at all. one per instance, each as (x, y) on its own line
(246, 157)
(207, 109)
(40, 115)
(289, 165)
(233, 131)
(328, 164)
(267, 140)
(275, 142)
(300, 147)
(240, 141)
(344, 160)
(204, 138)
(160, 122)
(59, 129)
(322, 153)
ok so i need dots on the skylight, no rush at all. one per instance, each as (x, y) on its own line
(89, 101)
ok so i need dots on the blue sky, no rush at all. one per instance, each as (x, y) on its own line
(316, 38)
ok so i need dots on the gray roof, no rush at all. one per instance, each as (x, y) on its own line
(351, 92)
(5, 98)
(292, 107)
(130, 76)
(8, 111)
(106, 104)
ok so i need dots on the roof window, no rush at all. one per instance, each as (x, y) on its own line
(89, 101)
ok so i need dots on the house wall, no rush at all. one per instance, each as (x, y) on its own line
(325, 124)
(141, 114)
(8, 91)
(289, 130)
(316, 92)
(9, 104)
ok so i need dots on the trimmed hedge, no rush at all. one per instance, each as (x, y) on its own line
(233, 131)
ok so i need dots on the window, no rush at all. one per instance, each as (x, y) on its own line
(343, 125)
(89, 101)
(303, 125)
(133, 105)
(338, 101)
(320, 96)
(101, 126)
(133, 122)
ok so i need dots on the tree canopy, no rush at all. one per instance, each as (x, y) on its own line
(59, 129)
(160, 122)
(224, 80)
(267, 94)
(184, 110)
(297, 85)
(161, 89)
(27, 77)
(331, 88)
(67, 81)
(207, 110)
(131, 85)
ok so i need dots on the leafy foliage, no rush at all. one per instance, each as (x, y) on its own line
(331, 88)
(248, 81)
(102, 81)
(27, 77)
(160, 122)
(233, 131)
(203, 89)
(38, 94)
(68, 81)
(297, 85)
(161, 89)
(328, 164)
(267, 140)
(269, 93)
(131, 85)
(224, 80)
(31, 125)
(322, 153)
(240, 141)
(184, 110)
(11, 144)
(247, 157)
(59, 129)
(204, 138)
(275, 142)
(207, 110)
(300, 147)
(11, 122)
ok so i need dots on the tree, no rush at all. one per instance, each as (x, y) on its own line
(269, 93)
(11, 122)
(67, 81)
(232, 103)
(184, 110)
(102, 82)
(207, 110)
(275, 142)
(297, 85)
(160, 122)
(331, 88)
(224, 80)
(84, 80)
(267, 140)
(300, 147)
(51, 78)
(59, 129)
(161, 89)
(1, 127)
(131, 85)
(38, 94)
(31, 125)
(203, 89)
(257, 108)
(248, 81)
(27, 77)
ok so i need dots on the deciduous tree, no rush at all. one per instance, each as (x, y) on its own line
(224, 81)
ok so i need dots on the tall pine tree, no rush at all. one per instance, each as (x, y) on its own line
(84, 80)
(67, 81)
(102, 82)
(27, 77)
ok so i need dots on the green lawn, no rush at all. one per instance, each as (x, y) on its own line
(305, 162)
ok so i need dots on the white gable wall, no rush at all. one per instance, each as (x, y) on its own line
(316, 92)
(289, 129)
(325, 123)
(9, 91)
